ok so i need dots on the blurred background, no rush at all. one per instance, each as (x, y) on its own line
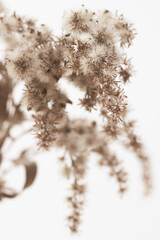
(39, 212)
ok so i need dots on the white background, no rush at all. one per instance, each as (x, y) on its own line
(39, 213)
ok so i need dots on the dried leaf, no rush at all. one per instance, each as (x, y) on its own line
(31, 172)
(1, 158)
(7, 195)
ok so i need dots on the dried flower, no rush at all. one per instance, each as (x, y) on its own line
(91, 54)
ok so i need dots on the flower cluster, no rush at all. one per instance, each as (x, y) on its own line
(91, 54)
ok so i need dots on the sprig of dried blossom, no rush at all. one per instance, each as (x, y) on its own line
(91, 54)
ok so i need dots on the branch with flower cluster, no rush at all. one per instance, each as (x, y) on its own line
(90, 54)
